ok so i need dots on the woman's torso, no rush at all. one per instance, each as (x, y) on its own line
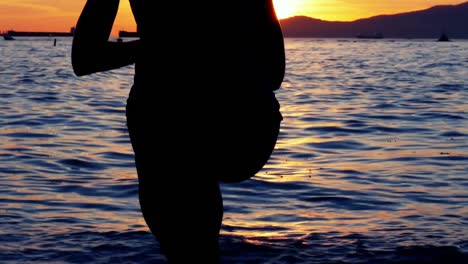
(232, 47)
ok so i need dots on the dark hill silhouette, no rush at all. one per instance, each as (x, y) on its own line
(428, 23)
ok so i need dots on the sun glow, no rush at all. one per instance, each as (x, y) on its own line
(283, 8)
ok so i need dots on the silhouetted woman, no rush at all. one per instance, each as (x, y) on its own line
(201, 110)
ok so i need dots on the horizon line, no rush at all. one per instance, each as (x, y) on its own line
(386, 14)
(280, 19)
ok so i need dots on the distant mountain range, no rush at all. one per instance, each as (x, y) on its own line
(428, 23)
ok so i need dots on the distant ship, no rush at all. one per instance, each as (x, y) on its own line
(378, 35)
(8, 37)
(40, 34)
(443, 37)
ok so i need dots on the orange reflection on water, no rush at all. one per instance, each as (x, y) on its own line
(334, 223)
(320, 222)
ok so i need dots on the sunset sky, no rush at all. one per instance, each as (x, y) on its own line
(60, 15)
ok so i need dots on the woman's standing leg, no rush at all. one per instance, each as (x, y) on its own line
(184, 216)
(180, 199)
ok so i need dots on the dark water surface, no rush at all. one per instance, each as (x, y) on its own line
(371, 165)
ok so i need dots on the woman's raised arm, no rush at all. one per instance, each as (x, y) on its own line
(91, 49)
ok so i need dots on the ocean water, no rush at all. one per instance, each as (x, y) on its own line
(371, 165)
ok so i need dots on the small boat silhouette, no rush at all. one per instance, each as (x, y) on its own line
(443, 37)
(8, 37)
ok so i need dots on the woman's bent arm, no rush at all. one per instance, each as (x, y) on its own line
(91, 50)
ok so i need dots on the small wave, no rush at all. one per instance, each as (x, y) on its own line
(347, 203)
(117, 155)
(400, 129)
(336, 129)
(442, 65)
(385, 106)
(82, 164)
(450, 157)
(342, 144)
(436, 115)
(452, 134)
(24, 122)
(450, 86)
(382, 116)
(29, 135)
(302, 156)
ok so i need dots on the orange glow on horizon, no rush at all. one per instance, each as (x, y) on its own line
(54, 16)
(349, 10)
(61, 15)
